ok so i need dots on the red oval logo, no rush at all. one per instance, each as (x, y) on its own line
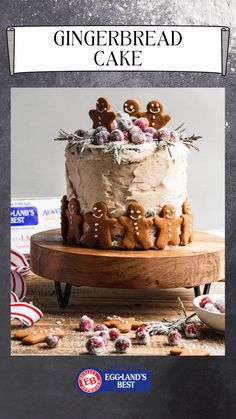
(89, 381)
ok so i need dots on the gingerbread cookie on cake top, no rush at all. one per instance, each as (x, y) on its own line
(132, 107)
(155, 114)
(102, 115)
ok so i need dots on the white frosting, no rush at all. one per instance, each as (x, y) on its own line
(147, 175)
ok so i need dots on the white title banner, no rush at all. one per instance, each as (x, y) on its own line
(118, 48)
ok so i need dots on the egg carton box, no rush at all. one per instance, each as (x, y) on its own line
(31, 215)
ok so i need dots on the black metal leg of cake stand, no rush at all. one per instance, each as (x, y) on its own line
(206, 289)
(197, 291)
(62, 297)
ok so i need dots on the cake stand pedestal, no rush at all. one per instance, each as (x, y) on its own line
(202, 262)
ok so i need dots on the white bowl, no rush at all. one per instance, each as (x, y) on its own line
(214, 320)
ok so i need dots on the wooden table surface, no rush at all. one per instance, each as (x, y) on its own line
(146, 305)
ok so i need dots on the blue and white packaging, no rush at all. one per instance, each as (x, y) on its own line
(31, 215)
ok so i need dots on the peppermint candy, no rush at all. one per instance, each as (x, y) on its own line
(19, 263)
(18, 285)
(26, 313)
(14, 297)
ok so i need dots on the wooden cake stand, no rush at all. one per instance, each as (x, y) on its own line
(202, 262)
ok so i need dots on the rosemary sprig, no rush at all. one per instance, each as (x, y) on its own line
(116, 150)
(182, 306)
(64, 136)
(181, 128)
(82, 145)
(190, 141)
(164, 144)
(164, 327)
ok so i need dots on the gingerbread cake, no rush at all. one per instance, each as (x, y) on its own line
(127, 180)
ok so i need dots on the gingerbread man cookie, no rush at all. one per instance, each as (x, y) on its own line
(187, 224)
(155, 115)
(168, 226)
(33, 336)
(123, 324)
(64, 220)
(100, 225)
(74, 220)
(136, 227)
(102, 115)
(188, 352)
(132, 107)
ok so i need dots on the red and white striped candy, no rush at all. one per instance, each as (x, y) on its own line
(14, 297)
(19, 263)
(27, 313)
(18, 285)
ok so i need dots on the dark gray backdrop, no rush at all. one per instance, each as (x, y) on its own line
(36, 387)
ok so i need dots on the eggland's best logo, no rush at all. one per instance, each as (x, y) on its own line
(89, 381)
